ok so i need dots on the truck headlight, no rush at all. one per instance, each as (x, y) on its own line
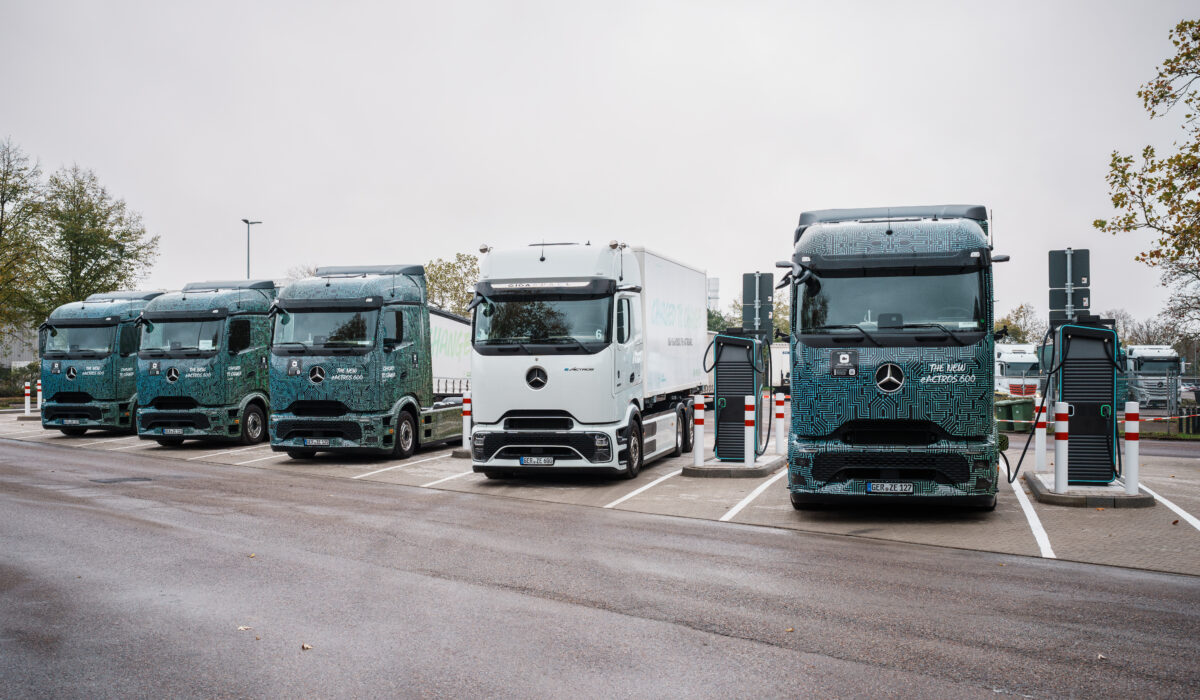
(603, 445)
(477, 441)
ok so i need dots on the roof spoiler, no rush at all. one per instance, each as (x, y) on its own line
(976, 212)
(355, 270)
(123, 296)
(233, 284)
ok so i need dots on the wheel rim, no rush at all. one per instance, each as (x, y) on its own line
(678, 433)
(406, 435)
(635, 450)
(253, 426)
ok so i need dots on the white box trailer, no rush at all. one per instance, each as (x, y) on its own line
(676, 325)
(450, 352)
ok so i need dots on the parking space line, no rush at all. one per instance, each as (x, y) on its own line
(1178, 511)
(252, 461)
(402, 464)
(435, 483)
(1035, 524)
(630, 495)
(108, 439)
(25, 432)
(129, 447)
(227, 452)
(753, 495)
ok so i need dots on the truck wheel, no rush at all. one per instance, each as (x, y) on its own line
(634, 451)
(73, 432)
(301, 454)
(678, 433)
(253, 425)
(406, 436)
(133, 419)
(169, 442)
(689, 430)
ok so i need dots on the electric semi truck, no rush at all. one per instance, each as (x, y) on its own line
(361, 363)
(202, 366)
(89, 358)
(584, 359)
(1153, 373)
(892, 357)
(1017, 369)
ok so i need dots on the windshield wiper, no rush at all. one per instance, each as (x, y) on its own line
(303, 347)
(846, 326)
(932, 324)
(571, 338)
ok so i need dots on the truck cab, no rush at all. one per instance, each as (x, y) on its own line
(1153, 374)
(202, 364)
(892, 357)
(89, 359)
(361, 363)
(1018, 372)
(584, 359)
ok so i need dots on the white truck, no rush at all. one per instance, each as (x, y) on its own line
(781, 367)
(584, 358)
(1017, 371)
(1153, 373)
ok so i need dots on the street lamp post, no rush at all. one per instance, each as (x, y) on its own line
(248, 223)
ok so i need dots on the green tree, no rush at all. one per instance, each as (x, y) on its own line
(780, 314)
(1024, 324)
(449, 282)
(1159, 194)
(717, 321)
(86, 242)
(20, 196)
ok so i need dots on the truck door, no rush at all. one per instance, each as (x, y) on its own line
(627, 342)
(241, 367)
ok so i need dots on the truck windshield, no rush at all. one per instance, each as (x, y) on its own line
(1016, 369)
(326, 329)
(1159, 366)
(521, 319)
(953, 302)
(84, 340)
(182, 335)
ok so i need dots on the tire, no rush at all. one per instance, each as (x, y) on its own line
(169, 442)
(679, 430)
(406, 436)
(254, 426)
(987, 507)
(73, 432)
(689, 429)
(133, 418)
(301, 454)
(634, 451)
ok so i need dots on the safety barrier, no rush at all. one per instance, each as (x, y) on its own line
(698, 430)
(1061, 417)
(466, 415)
(751, 431)
(1131, 448)
(26, 398)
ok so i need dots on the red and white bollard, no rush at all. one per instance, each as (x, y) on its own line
(39, 403)
(1132, 431)
(751, 432)
(780, 428)
(1039, 439)
(698, 430)
(466, 421)
(26, 398)
(1060, 446)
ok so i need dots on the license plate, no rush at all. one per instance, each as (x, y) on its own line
(316, 442)
(172, 431)
(889, 487)
(538, 461)
(70, 421)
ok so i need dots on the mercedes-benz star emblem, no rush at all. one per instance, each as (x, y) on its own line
(889, 378)
(70, 373)
(316, 375)
(536, 377)
(172, 374)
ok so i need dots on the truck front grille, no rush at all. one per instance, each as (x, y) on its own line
(52, 412)
(515, 445)
(150, 421)
(347, 430)
(936, 466)
(71, 397)
(174, 403)
(317, 408)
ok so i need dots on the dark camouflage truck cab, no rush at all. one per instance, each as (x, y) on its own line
(360, 363)
(892, 357)
(202, 365)
(89, 358)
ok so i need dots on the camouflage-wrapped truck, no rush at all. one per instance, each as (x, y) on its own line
(361, 363)
(202, 366)
(89, 354)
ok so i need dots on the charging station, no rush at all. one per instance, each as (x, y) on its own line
(1086, 353)
(739, 371)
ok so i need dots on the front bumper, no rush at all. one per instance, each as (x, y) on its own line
(195, 423)
(372, 433)
(944, 470)
(98, 415)
(591, 449)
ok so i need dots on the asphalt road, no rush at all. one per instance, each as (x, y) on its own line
(137, 588)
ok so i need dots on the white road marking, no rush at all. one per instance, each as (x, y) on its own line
(227, 452)
(252, 461)
(1035, 524)
(24, 432)
(108, 439)
(635, 492)
(753, 495)
(130, 447)
(1178, 511)
(435, 483)
(402, 464)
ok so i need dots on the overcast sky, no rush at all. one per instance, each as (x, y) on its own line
(400, 132)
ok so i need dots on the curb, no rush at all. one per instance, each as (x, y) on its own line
(1079, 500)
(31, 417)
(735, 470)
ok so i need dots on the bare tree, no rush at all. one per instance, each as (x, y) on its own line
(301, 271)
(1024, 324)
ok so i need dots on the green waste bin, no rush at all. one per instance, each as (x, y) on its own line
(1022, 410)
(1004, 414)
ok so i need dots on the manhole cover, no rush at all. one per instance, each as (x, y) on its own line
(121, 480)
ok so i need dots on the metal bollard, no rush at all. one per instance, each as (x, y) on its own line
(466, 429)
(780, 428)
(26, 398)
(39, 397)
(698, 430)
(1039, 439)
(1132, 432)
(751, 432)
(1060, 446)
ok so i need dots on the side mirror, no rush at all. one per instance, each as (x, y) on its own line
(474, 302)
(1000, 258)
(389, 344)
(1002, 333)
(630, 288)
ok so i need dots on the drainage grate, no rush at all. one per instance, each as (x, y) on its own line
(121, 480)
